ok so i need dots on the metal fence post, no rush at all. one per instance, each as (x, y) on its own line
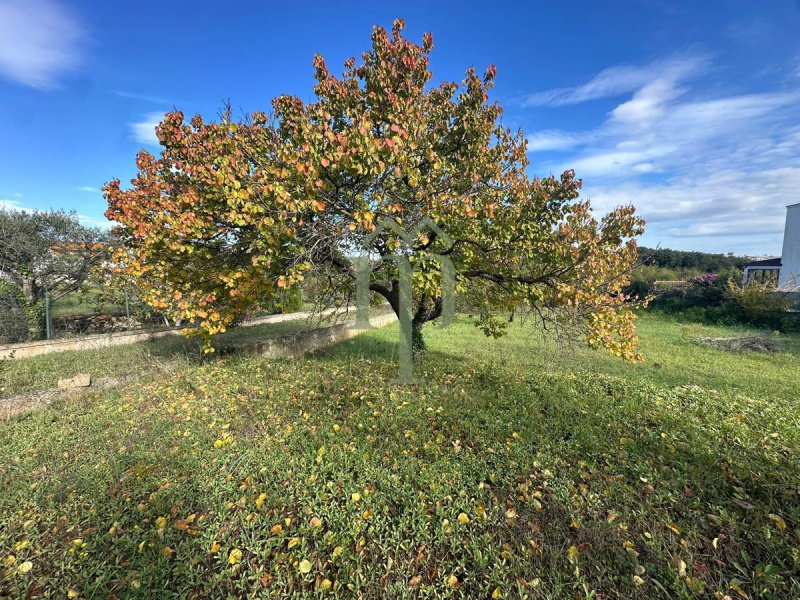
(127, 306)
(47, 324)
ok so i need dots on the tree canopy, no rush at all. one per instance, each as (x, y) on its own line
(231, 212)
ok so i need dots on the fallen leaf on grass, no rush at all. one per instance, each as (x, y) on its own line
(305, 566)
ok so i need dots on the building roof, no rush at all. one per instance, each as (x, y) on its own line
(770, 262)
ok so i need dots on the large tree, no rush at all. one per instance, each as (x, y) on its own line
(230, 212)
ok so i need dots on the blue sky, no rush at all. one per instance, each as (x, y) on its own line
(690, 110)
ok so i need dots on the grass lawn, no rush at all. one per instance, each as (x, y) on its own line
(514, 470)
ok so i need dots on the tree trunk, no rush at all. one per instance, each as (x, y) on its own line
(28, 289)
(417, 340)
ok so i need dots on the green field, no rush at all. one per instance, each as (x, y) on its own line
(515, 470)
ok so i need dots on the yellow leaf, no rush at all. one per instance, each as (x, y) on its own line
(73, 593)
(356, 497)
(680, 566)
(305, 566)
(325, 584)
(463, 518)
(453, 581)
(214, 547)
(235, 556)
(572, 553)
(161, 522)
(779, 522)
(25, 567)
(293, 542)
(260, 500)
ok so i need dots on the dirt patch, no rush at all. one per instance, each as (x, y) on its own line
(741, 344)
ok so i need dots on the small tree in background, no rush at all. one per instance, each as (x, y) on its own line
(47, 251)
(231, 212)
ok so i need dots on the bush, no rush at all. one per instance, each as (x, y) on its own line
(13, 314)
(708, 300)
(37, 326)
(292, 300)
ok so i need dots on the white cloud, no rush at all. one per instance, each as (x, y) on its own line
(88, 221)
(39, 40)
(144, 131)
(619, 80)
(710, 173)
(11, 205)
(87, 188)
(553, 139)
(143, 97)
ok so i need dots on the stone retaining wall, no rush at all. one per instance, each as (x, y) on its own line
(105, 340)
(308, 341)
(286, 346)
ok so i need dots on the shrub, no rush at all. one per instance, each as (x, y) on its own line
(13, 314)
(711, 301)
(292, 300)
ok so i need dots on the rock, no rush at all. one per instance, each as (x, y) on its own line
(80, 380)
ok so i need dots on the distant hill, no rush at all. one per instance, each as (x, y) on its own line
(681, 259)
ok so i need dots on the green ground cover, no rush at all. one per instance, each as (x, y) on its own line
(514, 470)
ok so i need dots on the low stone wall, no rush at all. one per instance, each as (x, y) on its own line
(283, 347)
(308, 341)
(106, 340)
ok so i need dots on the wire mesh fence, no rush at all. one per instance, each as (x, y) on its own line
(82, 313)
(98, 310)
(74, 314)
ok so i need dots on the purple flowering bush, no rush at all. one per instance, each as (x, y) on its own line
(705, 280)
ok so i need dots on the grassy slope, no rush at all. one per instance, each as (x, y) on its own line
(240, 475)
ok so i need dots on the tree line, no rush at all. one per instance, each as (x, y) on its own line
(701, 262)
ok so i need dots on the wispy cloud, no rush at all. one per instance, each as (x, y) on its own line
(554, 139)
(718, 170)
(7, 204)
(39, 41)
(619, 80)
(144, 97)
(88, 189)
(87, 220)
(144, 131)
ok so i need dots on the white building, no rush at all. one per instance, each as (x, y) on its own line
(787, 266)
